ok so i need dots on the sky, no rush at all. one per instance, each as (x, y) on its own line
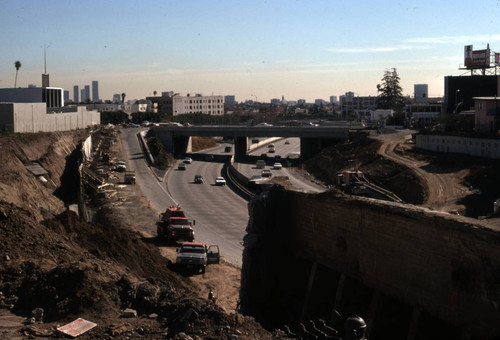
(255, 50)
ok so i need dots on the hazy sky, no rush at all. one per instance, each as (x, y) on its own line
(251, 49)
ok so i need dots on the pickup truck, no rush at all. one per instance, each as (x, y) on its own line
(197, 256)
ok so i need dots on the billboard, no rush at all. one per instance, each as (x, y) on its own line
(476, 59)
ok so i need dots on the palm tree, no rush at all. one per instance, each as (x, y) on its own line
(123, 97)
(17, 65)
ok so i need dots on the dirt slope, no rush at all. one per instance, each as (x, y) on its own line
(51, 259)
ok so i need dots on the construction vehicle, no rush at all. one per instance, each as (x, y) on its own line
(197, 256)
(173, 225)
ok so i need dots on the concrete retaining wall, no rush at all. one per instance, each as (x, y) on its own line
(445, 265)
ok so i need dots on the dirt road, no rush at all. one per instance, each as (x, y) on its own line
(444, 186)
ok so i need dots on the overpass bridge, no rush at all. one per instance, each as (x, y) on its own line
(177, 139)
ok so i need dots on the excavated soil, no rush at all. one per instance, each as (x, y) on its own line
(52, 259)
(446, 182)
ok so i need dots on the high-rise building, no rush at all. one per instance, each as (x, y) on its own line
(75, 94)
(87, 93)
(66, 96)
(117, 98)
(95, 91)
(421, 91)
(83, 97)
(229, 99)
(333, 99)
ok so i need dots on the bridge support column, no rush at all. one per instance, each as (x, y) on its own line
(307, 296)
(181, 145)
(311, 146)
(240, 146)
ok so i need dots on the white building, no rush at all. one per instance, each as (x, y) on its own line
(211, 105)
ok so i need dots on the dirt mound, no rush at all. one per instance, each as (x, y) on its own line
(361, 153)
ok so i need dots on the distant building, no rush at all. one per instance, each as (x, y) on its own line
(36, 117)
(487, 116)
(333, 99)
(421, 92)
(52, 96)
(211, 105)
(319, 102)
(75, 94)
(275, 101)
(301, 102)
(66, 96)
(361, 107)
(87, 93)
(229, 100)
(95, 91)
(117, 98)
(31, 86)
(83, 96)
(133, 106)
(105, 107)
(459, 91)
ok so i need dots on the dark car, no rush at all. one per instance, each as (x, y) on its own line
(198, 179)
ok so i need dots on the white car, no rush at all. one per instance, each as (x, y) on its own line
(188, 160)
(277, 166)
(220, 181)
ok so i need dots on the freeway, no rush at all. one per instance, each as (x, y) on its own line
(221, 215)
(282, 149)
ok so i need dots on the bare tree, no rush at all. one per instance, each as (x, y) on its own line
(17, 65)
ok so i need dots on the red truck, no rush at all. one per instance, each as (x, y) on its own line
(173, 225)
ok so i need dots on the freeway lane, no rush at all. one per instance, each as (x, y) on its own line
(282, 149)
(221, 215)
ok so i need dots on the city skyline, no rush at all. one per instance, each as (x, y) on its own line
(256, 51)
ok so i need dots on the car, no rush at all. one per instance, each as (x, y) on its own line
(266, 173)
(277, 158)
(198, 179)
(181, 166)
(270, 145)
(220, 181)
(228, 149)
(188, 160)
(277, 166)
(287, 142)
(120, 166)
(263, 125)
(260, 164)
(271, 150)
(256, 178)
(263, 156)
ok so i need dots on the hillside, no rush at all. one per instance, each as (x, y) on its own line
(53, 260)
